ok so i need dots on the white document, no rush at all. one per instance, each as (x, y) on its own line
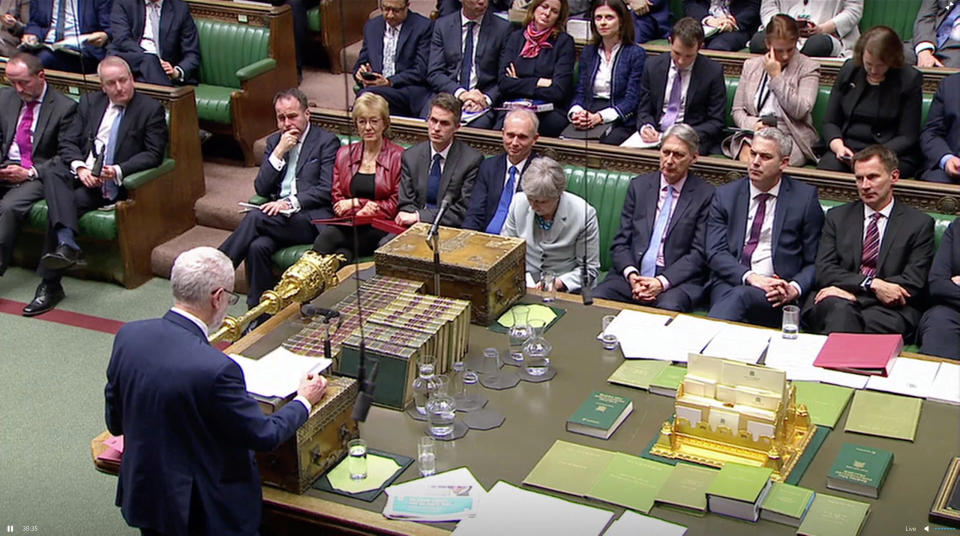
(739, 343)
(634, 324)
(633, 524)
(911, 377)
(449, 496)
(279, 372)
(796, 357)
(636, 142)
(508, 509)
(946, 385)
(455, 477)
(247, 207)
(683, 335)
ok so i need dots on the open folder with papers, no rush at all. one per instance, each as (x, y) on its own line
(279, 372)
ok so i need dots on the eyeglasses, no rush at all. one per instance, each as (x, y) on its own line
(233, 297)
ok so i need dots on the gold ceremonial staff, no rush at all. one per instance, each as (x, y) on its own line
(300, 283)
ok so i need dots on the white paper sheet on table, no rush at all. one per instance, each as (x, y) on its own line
(684, 334)
(279, 372)
(634, 524)
(508, 509)
(911, 377)
(425, 490)
(634, 324)
(946, 385)
(739, 343)
(796, 357)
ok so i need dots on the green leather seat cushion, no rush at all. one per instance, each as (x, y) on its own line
(313, 19)
(98, 224)
(213, 103)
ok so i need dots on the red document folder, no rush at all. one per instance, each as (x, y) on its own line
(859, 353)
(378, 223)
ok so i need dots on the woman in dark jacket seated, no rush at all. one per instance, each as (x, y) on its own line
(876, 99)
(366, 178)
(536, 64)
(610, 72)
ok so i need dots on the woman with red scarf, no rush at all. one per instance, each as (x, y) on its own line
(536, 64)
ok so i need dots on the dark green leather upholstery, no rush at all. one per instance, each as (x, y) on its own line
(230, 54)
(897, 14)
(606, 191)
(313, 20)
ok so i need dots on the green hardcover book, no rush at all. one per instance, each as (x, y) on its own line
(631, 481)
(833, 516)
(668, 381)
(738, 490)
(638, 372)
(825, 402)
(600, 415)
(569, 468)
(687, 487)
(786, 504)
(860, 470)
(884, 415)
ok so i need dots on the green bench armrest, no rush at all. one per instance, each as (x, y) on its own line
(257, 200)
(136, 180)
(256, 68)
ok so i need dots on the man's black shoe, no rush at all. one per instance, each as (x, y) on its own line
(62, 258)
(47, 297)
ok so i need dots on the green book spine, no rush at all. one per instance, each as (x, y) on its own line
(600, 410)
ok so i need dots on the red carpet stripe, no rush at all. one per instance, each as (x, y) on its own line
(59, 316)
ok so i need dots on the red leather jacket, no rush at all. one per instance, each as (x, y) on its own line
(387, 179)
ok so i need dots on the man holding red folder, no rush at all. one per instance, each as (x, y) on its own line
(874, 256)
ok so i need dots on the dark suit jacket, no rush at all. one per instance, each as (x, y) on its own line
(53, 136)
(555, 63)
(179, 43)
(904, 259)
(940, 135)
(747, 12)
(929, 17)
(624, 82)
(443, 70)
(189, 427)
(655, 24)
(897, 123)
(314, 172)
(94, 16)
(706, 98)
(797, 221)
(684, 245)
(459, 175)
(946, 264)
(487, 190)
(413, 49)
(142, 137)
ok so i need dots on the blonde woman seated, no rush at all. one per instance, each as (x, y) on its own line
(777, 89)
(557, 226)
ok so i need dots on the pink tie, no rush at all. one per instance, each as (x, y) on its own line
(24, 136)
(871, 247)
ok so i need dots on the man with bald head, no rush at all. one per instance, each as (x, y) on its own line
(119, 132)
(498, 178)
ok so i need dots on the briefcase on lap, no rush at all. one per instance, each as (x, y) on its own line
(486, 270)
(318, 445)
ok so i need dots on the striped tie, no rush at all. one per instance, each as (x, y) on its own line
(871, 247)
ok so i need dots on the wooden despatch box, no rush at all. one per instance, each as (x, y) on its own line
(318, 445)
(486, 270)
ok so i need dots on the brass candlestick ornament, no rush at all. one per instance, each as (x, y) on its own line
(300, 283)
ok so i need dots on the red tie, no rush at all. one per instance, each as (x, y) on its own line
(754, 239)
(871, 247)
(24, 135)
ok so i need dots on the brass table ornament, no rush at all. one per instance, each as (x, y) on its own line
(728, 411)
(301, 282)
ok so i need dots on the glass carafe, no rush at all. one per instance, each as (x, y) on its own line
(536, 350)
(425, 383)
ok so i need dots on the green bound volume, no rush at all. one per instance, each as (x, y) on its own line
(833, 516)
(637, 372)
(825, 402)
(860, 470)
(668, 381)
(569, 468)
(687, 487)
(786, 504)
(884, 415)
(600, 415)
(738, 490)
(631, 481)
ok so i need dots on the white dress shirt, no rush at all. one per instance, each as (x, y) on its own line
(684, 84)
(150, 43)
(762, 260)
(70, 28)
(391, 37)
(677, 188)
(463, 43)
(278, 164)
(602, 85)
(14, 152)
(100, 143)
(881, 223)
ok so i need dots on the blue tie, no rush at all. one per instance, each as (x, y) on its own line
(648, 264)
(501, 216)
(433, 181)
(943, 32)
(466, 65)
(110, 188)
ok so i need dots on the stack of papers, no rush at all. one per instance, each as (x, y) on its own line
(912, 377)
(278, 373)
(946, 385)
(673, 342)
(739, 343)
(450, 496)
(629, 325)
(632, 524)
(796, 357)
(508, 509)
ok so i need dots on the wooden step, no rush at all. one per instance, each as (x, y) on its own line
(161, 260)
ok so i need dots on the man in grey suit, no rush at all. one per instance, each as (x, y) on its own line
(465, 58)
(936, 34)
(440, 169)
(35, 122)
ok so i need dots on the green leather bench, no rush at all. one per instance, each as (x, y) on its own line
(335, 25)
